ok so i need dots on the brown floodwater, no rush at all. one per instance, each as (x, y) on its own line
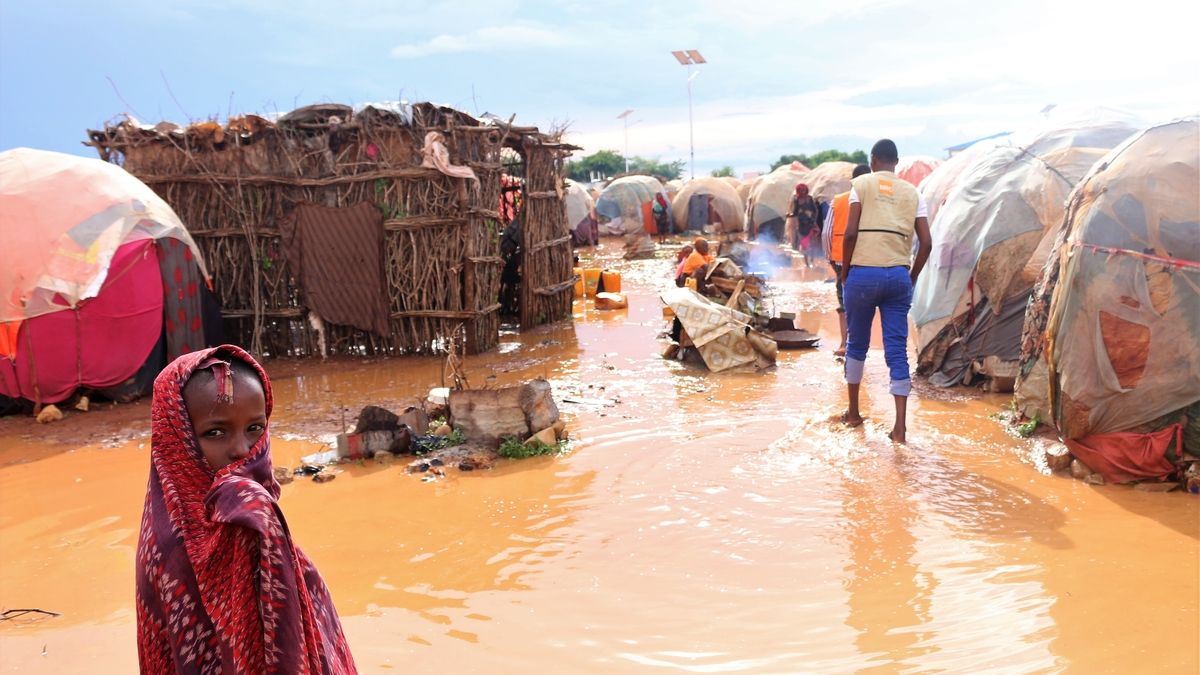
(698, 523)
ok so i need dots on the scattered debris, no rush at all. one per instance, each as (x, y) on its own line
(611, 301)
(10, 614)
(324, 476)
(284, 475)
(489, 415)
(49, 414)
(1058, 457)
(82, 404)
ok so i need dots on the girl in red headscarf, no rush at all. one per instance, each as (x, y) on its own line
(221, 587)
(808, 226)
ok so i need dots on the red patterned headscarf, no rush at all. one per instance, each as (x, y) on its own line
(801, 190)
(221, 588)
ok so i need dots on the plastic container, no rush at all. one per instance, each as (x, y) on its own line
(611, 281)
(578, 282)
(591, 281)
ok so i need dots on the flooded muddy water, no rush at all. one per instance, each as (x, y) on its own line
(698, 523)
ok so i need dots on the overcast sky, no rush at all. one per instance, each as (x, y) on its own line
(782, 77)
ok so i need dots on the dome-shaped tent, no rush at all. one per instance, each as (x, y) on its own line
(937, 186)
(989, 244)
(770, 201)
(581, 214)
(708, 200)
(620, 203)
(94, 267)
(829, 179)
(1111, 336)
(916, 168)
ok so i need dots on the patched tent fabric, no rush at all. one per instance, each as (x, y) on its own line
(723, 336)
(938, 185)
(87, 253)
(725, 206)
(57, 251)
(829, 179)
(1112, 336)
(916, 168)
(620, 203)
(580, 210)
(770, 201)
(990, 240)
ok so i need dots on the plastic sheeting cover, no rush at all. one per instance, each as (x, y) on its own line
(772, 195)
(62, 219)
(1013, 189)
(829, 179)
(917, 168)
(1117, 309)
(725, 202)
(623, 198)
(578, 204)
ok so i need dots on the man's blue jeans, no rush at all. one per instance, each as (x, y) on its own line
(890, 290)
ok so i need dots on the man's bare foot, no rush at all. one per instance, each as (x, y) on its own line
(850, 420)
(897, 436)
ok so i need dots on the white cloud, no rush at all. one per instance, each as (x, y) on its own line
(516, 36)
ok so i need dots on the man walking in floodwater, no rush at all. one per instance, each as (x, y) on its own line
(879, 273)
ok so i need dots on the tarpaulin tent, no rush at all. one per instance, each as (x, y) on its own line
(1111, 340)
(938, 185)
(829, 179)
(580, 211)
(620, 203)
(990, 240)
(744, 189)
(708, 200)
(916, 168)
(96, 273)
(770, 201)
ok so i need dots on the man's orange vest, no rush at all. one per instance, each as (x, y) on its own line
(841, 216)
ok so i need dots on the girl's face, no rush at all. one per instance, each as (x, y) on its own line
(226, 431)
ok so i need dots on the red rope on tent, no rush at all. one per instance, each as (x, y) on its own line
(1174, 262)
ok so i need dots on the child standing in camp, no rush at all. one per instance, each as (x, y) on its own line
(221, 586)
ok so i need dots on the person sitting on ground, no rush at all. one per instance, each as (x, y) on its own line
(831, 241)
(220, 584)
(697, 259)
(681, 257)
(885, 213)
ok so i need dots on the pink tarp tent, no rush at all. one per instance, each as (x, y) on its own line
(94, 269)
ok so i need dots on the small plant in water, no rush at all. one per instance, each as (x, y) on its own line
(513, 448)
(1026, 430)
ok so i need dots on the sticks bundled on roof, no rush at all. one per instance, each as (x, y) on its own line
(232, 185)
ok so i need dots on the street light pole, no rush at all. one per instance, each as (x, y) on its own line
(625, 118)
(689, 58)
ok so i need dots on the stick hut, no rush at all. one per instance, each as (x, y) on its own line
(231, 185)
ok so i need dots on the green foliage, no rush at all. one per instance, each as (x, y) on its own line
(604, 163)
(818, 158)
(656, 167)
(513, 448)
(723, 172)
(609, 163)
(1026, 430)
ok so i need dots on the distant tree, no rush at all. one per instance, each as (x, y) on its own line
(723, 172)
(656, 167)
(603, 163)
(818, 158)
(608, 163)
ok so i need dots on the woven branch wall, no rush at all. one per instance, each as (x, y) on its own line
(231, 185)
